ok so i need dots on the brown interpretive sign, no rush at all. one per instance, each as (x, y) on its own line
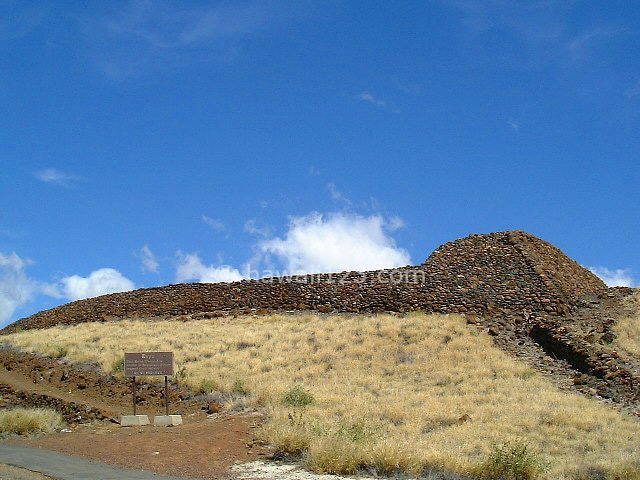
(148, 363)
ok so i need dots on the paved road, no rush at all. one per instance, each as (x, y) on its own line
(61, 467)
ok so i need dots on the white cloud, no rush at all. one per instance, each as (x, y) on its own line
(619, 277)
(148, 260)
(190, 268)
(336, 242)
(337, 195)
(54, 176)
(162, 26)
(579, 43)
(215, 224)
(99, 282)
(254, 227)
(368, 98)
(16, 288)
(544, 26)
(395, 223)
(533, 21)
(147, 36)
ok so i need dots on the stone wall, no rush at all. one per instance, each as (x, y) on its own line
(510, 274)
(557, 271)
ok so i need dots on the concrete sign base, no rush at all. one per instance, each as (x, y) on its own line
(134, 420)
(167, 420)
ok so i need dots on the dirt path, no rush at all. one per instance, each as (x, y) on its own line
(205, 449)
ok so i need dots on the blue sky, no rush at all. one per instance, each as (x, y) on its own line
(145, 143)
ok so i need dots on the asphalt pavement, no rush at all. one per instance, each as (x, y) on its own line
(62, 467)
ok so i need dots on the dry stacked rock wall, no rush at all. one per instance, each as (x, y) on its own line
(511, 274)
(557, 271)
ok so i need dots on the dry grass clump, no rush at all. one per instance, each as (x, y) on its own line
(511, 462)
(627, 330)
(391, 394)
(29, 420)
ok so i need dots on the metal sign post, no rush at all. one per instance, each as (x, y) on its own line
(166, 396)
(133, 389)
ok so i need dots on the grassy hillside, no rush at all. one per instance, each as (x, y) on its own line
(393, 393)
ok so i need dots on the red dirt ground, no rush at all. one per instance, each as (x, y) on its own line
(203, 449)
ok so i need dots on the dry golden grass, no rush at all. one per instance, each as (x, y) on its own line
(627, 330)
(29, 420)
(388, 392)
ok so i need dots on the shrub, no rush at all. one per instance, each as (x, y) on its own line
(239, 387)
(58, 351)
(357, 432)
(511, 462)
(29, 420)
(527, 374)
(208, 386)
(117, 366)
(288, 434)
(389, 458)
(335, 456)
(181, 374)
(297, 397)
